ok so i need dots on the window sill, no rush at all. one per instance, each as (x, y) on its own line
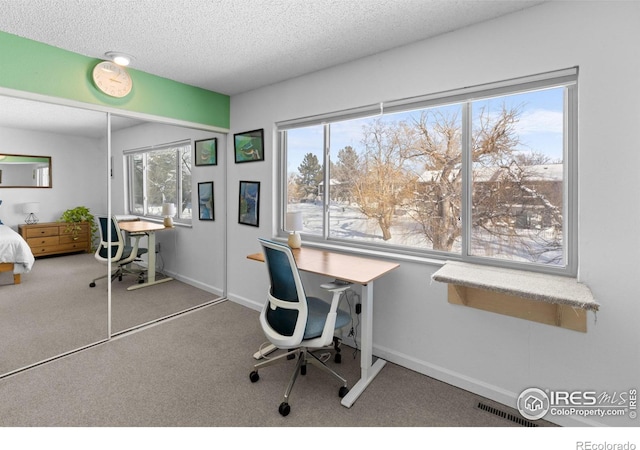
(549, 299)
(361, 251)
(155, 219)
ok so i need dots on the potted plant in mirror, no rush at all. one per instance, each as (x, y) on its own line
(74, 217)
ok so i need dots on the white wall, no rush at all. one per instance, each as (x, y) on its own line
(78, 167)
(414, 326)
(192, 254)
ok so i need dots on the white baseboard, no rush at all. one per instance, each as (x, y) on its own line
(251, 304)
(456, 379)
(475, 386)
(191, 282)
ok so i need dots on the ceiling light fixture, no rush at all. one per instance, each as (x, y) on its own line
(121, 59)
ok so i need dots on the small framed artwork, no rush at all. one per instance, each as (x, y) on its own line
(205, 201)
(249, 146)
(207, 152)
(249, 203)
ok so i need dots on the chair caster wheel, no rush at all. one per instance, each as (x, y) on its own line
(337, 358)
(92, 284)
(343, 391)
(303, 370)
(253, 376)
(284, 409)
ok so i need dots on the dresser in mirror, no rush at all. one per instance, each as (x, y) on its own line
(52, 311)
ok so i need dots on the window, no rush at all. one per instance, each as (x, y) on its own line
(158, 175)
(481, 174)
(42, 176)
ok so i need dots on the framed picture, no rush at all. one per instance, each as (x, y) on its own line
(205, 201)
(249, 146)
(249, 203)
(207, 152)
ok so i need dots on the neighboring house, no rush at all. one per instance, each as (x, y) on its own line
(530, 196)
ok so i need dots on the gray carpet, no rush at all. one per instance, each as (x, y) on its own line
(130, 309)
(192, 371)
(54, 310)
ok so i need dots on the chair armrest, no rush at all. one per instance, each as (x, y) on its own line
(337, 288)
(135, 241)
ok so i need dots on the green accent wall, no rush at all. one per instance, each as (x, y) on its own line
(23, 159)
(31, 66)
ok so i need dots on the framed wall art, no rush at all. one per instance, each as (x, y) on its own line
(249, 146)
(205, 201)
(249, 203)
(206, 152)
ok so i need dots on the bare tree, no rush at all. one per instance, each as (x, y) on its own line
(416, 167)
(381, 183)
(436, 203)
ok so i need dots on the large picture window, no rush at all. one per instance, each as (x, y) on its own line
(158, 175)
(483, 174)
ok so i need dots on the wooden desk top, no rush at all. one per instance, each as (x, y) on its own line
(355, 269)
(140, 226)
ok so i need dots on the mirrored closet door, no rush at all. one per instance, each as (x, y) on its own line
(155, 164)
(52, 311)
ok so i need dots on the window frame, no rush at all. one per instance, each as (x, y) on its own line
(129, 155)
(567, 78)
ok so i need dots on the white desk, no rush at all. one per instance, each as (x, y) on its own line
(149, 228)
(358, 270)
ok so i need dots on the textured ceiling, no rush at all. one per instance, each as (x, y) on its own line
(232, 46)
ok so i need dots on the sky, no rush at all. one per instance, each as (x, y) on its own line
(540, 127)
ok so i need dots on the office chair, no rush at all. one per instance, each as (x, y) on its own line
(121, 254)
(294, 322)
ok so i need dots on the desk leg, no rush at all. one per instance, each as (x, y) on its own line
(151, 270)
(368, 371)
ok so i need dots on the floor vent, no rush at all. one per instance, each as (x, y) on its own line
(505, 415)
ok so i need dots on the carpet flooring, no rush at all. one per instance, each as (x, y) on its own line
(54, 311)
(193, 371)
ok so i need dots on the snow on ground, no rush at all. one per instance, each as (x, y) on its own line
(347, 222)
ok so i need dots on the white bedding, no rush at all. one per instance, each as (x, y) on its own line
(14, 249)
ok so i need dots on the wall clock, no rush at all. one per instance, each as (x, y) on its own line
(112, 79)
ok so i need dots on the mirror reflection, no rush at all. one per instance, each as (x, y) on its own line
(49, 312)
(156, 158)
(53, 310)
(25, 171)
